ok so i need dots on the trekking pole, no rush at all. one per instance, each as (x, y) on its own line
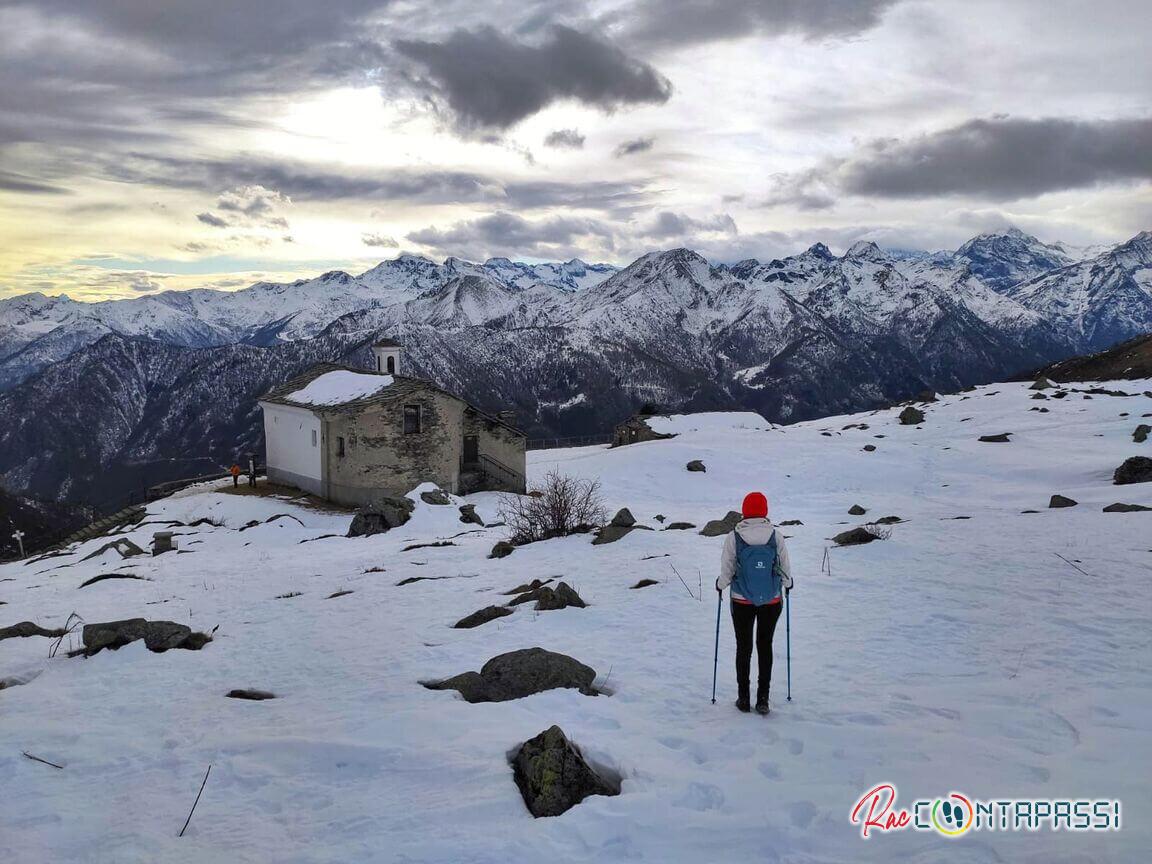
(716, 652)
(788, 637)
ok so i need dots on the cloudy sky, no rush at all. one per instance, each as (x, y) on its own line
(153, 144)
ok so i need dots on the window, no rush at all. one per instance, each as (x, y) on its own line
(340, 445)
(411, 419)
(391, 365)
(378, 363)
(313, 437)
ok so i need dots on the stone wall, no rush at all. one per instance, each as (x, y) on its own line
(379, 459)
(498, 442)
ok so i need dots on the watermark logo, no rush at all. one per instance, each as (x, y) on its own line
(955, 814)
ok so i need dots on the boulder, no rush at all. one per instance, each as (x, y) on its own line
(718, 527)
(28, 628)
(502, 550)
(926, 396)
(644, 583)
(435, 496)
(659, 517)
(612, 533)
(384, 515)
(696, 465)
(869, 448)
(911, 416)
(560, 597)
(623, 518)
(1001, 438)
(528, 586)
(1126, 508)
(791, 522)
(469, 516)
(854, 537)
(679, 526)
(1141, 434)
(518, 674)
(252, 695)
(158, 636)
(1135, 469)
(124, 546)
(1041, 384)
(1060, 501)
(856, 510)
(888, 520)
(1039, 396)
(482, 616)
(553, 776)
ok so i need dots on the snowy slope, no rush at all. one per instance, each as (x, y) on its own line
(959, 654)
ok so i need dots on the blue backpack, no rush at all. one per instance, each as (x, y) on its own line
(757, 578)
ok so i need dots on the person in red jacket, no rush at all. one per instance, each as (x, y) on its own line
(755, 564)
(235, 472)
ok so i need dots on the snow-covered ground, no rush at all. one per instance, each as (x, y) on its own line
(958, 654)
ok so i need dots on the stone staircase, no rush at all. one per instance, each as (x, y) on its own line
(128, 516)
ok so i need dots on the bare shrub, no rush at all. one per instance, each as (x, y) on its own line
(558, 506)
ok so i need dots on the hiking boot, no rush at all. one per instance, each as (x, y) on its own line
(743, 703)
(762, 705)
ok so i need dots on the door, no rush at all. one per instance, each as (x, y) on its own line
(471, 449)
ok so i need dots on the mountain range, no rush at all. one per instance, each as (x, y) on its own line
(102, 398)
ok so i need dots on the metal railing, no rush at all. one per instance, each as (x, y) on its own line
(501, 471)
(571, 441)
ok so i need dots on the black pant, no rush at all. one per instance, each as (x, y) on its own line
(745, 617)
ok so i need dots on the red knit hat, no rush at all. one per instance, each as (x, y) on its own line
(755, 506)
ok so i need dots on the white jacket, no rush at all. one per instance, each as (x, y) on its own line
(754, 532)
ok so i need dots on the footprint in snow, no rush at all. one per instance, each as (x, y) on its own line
(770, 770)
(795, 746)
(701, 796)
(689, 748)
(802, 813)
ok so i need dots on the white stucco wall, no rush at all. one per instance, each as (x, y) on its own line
(293, 459)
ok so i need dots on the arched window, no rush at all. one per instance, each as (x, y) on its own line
(391, 365)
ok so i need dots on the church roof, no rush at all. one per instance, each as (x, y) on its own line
(385, 342)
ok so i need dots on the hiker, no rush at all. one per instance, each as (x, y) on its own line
(235, 472)
(251, 472)
(755, 564)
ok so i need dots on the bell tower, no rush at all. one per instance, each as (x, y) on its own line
(387, 355)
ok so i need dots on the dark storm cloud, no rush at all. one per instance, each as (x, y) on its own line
(10, 182)
(1003, 158)
(486, 80)
(668, 224)
(511, 234)
(565, 139)
(691, 22)
(309, 183)
(212, 220)
(638, 145)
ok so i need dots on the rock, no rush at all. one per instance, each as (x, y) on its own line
(659, 517)
(911, 416)
(1141, 433)
(435, 496)
(384, 515)
(679, 526)
(502, 550)
(1001, 438)
(926, 396)
(1135, 469)
(560, 597)
(696, 465)
(253, 695)
(856, 510)
(888, 520)
(791, 522)
(612, 533)
(1041, 384)
(518, 674)
(124, 546)
(623, 518)
(27, 628)
(469, 516)
(158, 636)
(1039, 396)
(482, 616)
(869, 448)
(717, 527)
(855, 537)
(1060, 501)
(553, 776)
(1126, 508)
(644, 583)
(528, 586)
